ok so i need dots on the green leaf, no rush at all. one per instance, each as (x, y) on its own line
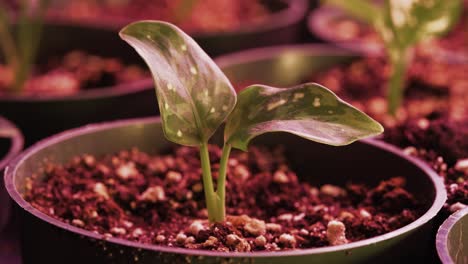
(364, 10)
(308, 110)
(405, 23)
(194, 95)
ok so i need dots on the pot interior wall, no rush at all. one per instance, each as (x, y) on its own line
(5, 145)
(58, 38)
(286, 67)
(457, 242)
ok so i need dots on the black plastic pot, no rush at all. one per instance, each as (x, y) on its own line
(452, 238)
(11, 143)
(284, 25)
(47, 240)
(42, 116)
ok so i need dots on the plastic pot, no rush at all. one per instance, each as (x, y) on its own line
(11, 143)
(48, 240)
(41, 116)
(284, 25)
(452, 238)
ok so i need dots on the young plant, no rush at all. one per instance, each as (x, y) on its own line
(19, 50)
(195, 98)
(402, 24)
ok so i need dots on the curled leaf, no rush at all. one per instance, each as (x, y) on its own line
(194, 95)
(308, 110)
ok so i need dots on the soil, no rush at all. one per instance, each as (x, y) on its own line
(73, 72)
(433, 122)
(205, 16)
(159, 200)
(350, 30)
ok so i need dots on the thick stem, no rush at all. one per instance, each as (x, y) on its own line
(221, 185)
(396, 85)
(210, 195)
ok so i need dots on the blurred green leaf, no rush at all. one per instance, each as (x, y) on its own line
(405, 23)
(308, 110)
(194, 96)
(364, 10)
(29, 30)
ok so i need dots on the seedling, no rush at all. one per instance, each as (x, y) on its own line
(402, 24)
(195, 98)
(19, 50)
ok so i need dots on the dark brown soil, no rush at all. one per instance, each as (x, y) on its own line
(73, 72)
(159, 200)
(206, 15)
(432, 124)
(443, 143)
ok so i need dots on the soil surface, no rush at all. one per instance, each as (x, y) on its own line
(73, 72)
(159, 200)
(433, 122)
(192, 16)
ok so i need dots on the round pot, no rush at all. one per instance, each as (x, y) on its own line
(319, 24)
(11, 143)
(282, 66)
(40, 116)
(452, 238)
(284, 25)
(48, 240)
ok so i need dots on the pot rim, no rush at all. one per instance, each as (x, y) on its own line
(255, 54)
(16, 138)
(93, 93)
(439, 200)
(443, 233)
(295, 11)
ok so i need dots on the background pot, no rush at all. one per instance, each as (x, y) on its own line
(11, 143)
(39, 117)
(452, 238)
(286, 24)
(320, 22)
(47, 240)
(284, 66)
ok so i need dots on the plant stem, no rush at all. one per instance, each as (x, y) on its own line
(211, 198)
(29, 29)
(6, 41)
(221, 186)
(396, 85)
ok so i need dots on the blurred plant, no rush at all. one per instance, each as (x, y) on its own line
(402, 24)
(183, 10)
(20, 48)
(195, 98)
